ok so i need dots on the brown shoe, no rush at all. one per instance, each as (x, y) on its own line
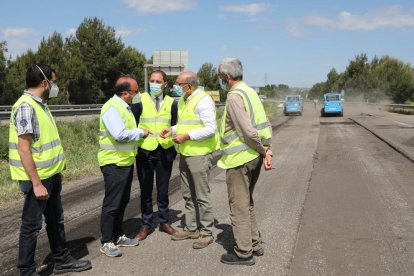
(143, 233)
(202, 241)
(167, 228)
(183, 235)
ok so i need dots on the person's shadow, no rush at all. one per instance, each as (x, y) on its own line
(78, 249)
(225, 237)
(132, 226)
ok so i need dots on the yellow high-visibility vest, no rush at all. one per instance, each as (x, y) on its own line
(47, 151)
(188, 121)
(155, 121)
(110, 150)
(234, 152)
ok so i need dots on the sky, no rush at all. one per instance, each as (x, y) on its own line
(279, 42)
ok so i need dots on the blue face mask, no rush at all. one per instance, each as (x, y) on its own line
(155, 89)
(178, 90)
(223, 84)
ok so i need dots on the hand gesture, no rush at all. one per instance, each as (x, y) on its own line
(165, 133)
(146, 133)
(181, 138)
(40, 192)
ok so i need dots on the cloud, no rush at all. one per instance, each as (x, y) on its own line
(393, 16)
(125, 31)
(250, 9)
(16, 32)
(71, 32)
(160, 6)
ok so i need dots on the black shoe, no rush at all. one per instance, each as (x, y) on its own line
(72, 265)
(233, 259)
(259, 252)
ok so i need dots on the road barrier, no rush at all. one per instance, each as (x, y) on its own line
(66, 110)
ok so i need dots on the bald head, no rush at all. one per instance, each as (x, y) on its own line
(125, 84)
(126, 88)
(188, 77)
(188, 81)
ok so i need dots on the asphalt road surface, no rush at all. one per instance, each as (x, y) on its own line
(340, 202)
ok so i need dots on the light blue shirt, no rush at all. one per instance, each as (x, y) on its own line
(116, 125)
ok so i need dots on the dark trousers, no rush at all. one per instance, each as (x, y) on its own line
(160, 162)
(118, 182)
(32, 223)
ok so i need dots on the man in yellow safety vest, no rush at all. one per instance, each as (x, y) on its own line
(196, 138)
(118, 144)
(156, 155)
(36, 161)
(245, 140)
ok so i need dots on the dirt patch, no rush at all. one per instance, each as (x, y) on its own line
(410, 142)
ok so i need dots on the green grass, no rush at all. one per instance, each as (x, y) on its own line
(80, 144)
(405, 111)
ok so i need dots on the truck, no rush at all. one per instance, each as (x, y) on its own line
(293, 105)
(332, 104)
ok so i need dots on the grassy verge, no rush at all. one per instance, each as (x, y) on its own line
(80, 144)
(405, 111)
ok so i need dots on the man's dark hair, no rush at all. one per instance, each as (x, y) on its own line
(34, 76)
(164, 76)
(121, 87)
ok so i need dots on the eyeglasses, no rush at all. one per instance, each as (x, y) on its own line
(181, 83)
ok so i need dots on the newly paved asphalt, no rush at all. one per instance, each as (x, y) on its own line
(340, 202)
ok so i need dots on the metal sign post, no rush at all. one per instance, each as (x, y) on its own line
(171, 62)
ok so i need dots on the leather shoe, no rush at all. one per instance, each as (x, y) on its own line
(72, 265)
(143, 233)
(167, 228)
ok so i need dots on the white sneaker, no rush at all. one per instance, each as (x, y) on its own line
(124, 241)
(111, 250)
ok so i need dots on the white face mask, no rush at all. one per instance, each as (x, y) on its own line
(136, 98)
(53, 91)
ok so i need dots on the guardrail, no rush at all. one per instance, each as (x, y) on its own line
(60, 110)
(66, 110)
(407, 106)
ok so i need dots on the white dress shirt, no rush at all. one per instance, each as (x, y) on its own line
(206, 112)
(116, 125)
(160, 99)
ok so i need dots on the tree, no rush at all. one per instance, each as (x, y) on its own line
(3, 71)
(131, 62)
(95, 48)
(16, 77)
(317, 91)
(207, 74)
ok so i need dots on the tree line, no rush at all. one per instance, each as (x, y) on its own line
(379, 79)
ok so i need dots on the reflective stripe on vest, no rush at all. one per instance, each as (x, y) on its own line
(38, 149)
(47, 151)
(111, 151)
(188, 121)
(155, 121)
(39, 164)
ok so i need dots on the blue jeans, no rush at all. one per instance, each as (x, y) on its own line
(32, 223)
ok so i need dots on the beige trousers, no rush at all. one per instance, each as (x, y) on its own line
(240, 185)
(195, 177)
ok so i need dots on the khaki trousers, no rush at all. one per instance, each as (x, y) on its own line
(195, 177)
(240, 185)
